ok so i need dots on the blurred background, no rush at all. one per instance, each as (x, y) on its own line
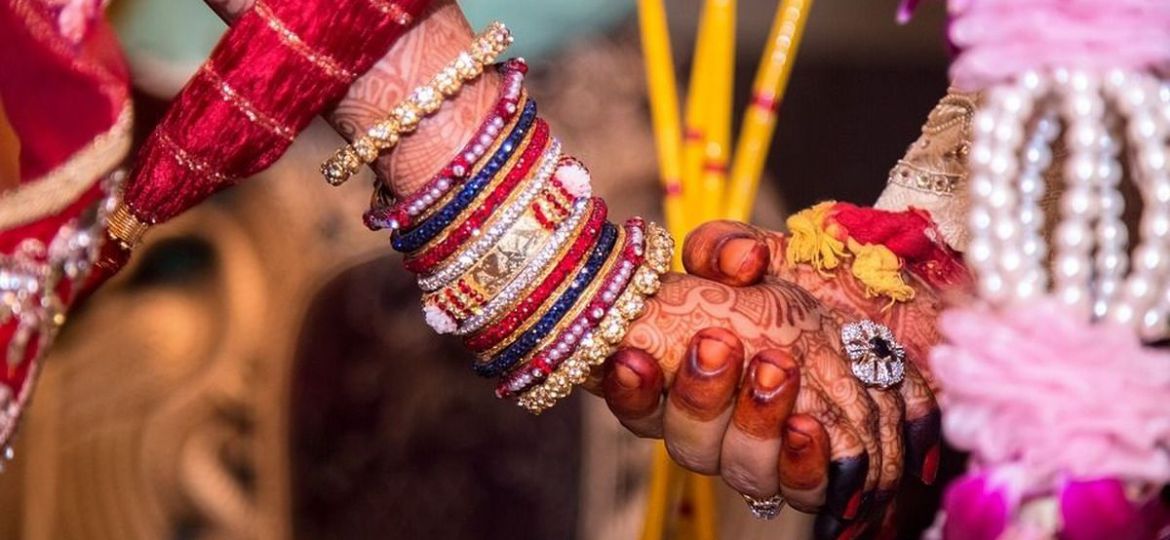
(262, 370)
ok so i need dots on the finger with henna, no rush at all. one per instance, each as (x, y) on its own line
(728, 252)
(804, 463)
(632, 385)
(751, 446)
(699, 403)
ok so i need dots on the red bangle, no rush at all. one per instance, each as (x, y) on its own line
(425, 261)
(403, 213)
(548, 359)
(497, 332)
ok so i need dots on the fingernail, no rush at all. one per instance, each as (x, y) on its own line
(866, 503)
(922, 452)
(930, 464)
(797, 441)
(769, 377)
(712, 356)
(734, 254)
(626, 377)
(846, 481)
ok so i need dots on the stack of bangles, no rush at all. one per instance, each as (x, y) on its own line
(513, 252)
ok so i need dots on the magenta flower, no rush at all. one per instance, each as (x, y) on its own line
(976, 510)
(1097, 509)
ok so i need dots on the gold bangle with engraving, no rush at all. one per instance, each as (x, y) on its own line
(421, 102)
(616, 255)
(535, 270)
(559, 291)
(602, 341)
(525, 237)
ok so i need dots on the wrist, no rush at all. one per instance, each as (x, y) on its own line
(440, 34)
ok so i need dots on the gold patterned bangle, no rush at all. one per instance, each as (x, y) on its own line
(557, 293)
(599, 343)
(615, 256)
(125, 228)
(498, 266)
(421, 102)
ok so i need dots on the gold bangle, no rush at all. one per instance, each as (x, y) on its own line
(125, 228)
(602, 341)
(557, 293)
(422, 101)
(583, 301)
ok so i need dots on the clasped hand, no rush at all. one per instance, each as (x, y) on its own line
(739, 367)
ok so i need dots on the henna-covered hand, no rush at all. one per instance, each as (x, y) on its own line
(793, 419)
(740, 254)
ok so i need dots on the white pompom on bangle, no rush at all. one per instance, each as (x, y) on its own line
(574, 177)
(439, 320)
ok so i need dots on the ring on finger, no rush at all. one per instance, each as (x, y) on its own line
(765, 508)
(877, 358)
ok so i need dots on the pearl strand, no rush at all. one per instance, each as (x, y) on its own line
(993, 252)
(1146, 134)
(1037, 158)
(1084, 111)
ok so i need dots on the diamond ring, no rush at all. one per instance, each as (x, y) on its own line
(766, 508)
(878, 359)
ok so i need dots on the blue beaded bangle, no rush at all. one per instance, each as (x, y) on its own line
(531, 338)
(432, 226)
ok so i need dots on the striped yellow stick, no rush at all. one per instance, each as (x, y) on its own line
(661, 86)
(717, 99)
(759, 122)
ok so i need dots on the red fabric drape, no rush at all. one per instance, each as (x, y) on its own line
(206, 141)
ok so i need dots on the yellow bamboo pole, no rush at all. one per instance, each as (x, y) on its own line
(692, 164)
(661, 86)
(759, 122)
(694, 122)
(718, 87)
(665, 479)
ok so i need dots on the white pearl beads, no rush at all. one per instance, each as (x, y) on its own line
(1091, 270)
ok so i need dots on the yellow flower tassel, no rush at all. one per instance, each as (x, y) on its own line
(811, 240)
(880, 270)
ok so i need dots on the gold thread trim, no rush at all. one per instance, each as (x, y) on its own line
(394, 11)
(188, 161)
(59, 188)
(327, 64)
(245, 106)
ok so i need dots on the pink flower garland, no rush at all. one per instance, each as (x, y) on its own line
(1002, 38)
(1051, 406)
(1060, 398)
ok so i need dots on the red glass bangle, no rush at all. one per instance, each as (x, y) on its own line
(498, 331)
